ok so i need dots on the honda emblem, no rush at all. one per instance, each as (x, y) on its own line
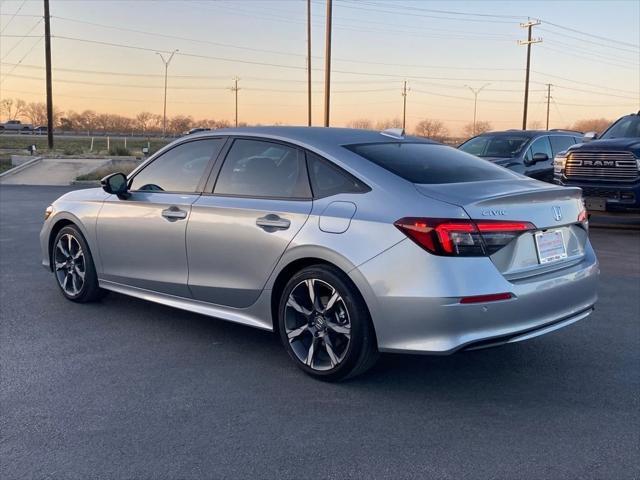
(557, 213)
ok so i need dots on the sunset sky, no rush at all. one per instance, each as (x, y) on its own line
(590, 53)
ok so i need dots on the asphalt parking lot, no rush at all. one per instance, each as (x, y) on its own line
(129, 389)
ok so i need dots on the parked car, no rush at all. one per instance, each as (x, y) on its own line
(606, 168)
(528, 152)
(15, 126)
(344, 242)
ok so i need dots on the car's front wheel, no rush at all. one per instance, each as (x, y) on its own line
(73, 266)
(325, 325)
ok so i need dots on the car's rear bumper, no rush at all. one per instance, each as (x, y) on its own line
(414, 300)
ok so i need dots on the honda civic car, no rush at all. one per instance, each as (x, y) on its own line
(345, 243)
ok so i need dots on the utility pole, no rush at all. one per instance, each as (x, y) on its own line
(47, 56)
(235, 89)
(475, 92)
(548, 102)
(530, 40)
(166, 69)
(309, 61)
(404, 106)
(327, 65)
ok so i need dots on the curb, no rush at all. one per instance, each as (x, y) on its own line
(21, 167)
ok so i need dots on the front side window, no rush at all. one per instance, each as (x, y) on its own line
(255, 168)
(539, 145)
(429, 163)
(179, 169)
(328, 179)
(496, 146)
(560, 143)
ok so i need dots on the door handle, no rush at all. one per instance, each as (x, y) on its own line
(272, 222)
(173, 213)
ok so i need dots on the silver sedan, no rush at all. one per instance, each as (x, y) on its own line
(344, 242)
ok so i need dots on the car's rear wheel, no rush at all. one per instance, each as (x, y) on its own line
(73, 266)
(325, 325)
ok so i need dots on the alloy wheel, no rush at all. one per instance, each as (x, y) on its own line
(70, 265)
(317, 324)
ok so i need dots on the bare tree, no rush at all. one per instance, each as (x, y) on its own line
(36, 112)
(103, 121)
(13, 109)
(362, 123)
(389, 123)
(180, 123)
(481, 127)
(535, 125)
(144, 121)
(434, 129)
(87, 121)
(591, 125)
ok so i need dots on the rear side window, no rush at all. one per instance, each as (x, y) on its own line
(430, 163)
(255, 168)
(559, 143)
(328, 179)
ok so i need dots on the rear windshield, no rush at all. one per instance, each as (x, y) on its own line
(430, 163)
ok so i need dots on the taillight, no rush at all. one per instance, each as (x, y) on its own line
(461, 237)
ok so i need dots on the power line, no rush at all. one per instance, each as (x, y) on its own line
(294, 67)
(591, 91)
(592, 35)
(200, 77)
(397, 12)
(13, 16)
(452, 12)
(591, 59)
(194, 55)
(590, 51)
(22, 39)
(289, 21)
(176, 37)
(583, 83)
(584, 40)
(20, 61)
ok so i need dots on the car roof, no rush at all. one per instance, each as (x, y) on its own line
(529, 133)
(317, 136)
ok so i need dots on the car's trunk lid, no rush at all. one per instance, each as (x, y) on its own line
(547, 207)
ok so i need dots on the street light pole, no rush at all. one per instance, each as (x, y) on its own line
(309, 62)
(166, 69)
(475, 92)
(404, 106)
(235, 90)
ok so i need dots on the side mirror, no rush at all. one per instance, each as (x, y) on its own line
(116, 184)
(587, 137)
(540, 157)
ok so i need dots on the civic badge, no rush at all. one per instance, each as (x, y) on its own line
(557, 213)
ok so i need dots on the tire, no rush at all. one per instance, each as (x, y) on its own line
(337, 324)
(73, 266)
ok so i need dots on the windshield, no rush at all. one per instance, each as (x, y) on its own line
(626, 127)
(428, 163)
(502, 146)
